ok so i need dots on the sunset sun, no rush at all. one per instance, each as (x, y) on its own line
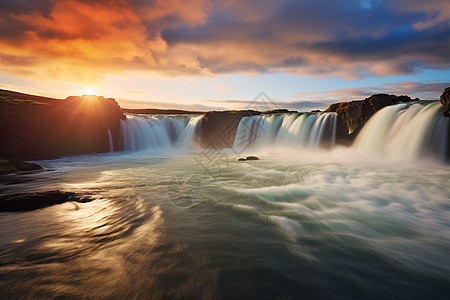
(88, 92)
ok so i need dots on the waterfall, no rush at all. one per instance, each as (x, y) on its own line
(187, 139)
(409, 130)
(110, 139)
(158, 134)
(306, 130)
(406, 131)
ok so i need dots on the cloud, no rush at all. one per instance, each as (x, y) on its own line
(424, 91)
(436, 12)
(76, 40)
(305, 101)
(129, 103)
(83, 40)
(297, 105)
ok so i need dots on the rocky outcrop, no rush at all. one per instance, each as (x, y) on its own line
(445, 100)
(15, 165)
(32, 201)
(218, 128)
(33, 127)
(353, 115)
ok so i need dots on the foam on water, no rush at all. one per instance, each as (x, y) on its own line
(313, 216)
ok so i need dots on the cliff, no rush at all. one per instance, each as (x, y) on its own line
(34, 127)
(353, 115)
(218, 128)
(445, 100)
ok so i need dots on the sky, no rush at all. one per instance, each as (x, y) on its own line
(208, 54)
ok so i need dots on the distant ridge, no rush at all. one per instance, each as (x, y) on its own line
(23, 96)
(155, 111)
(148, 111)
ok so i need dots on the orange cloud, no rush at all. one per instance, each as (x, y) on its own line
(79, 39)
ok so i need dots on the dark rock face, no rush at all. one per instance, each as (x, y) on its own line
(445, 100)
(14, 165)
(41, 128)
(353, 115)
(248, 158)
(252, 158)
(32, 201)
(218, 128)
(279, 111)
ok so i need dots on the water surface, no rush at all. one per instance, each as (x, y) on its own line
(295, 224)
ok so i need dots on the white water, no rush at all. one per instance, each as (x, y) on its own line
(110, 139)
(306, 130)
(158, 134)
(399, 131)
(406, 131)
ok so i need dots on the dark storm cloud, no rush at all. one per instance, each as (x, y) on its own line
(23, 6)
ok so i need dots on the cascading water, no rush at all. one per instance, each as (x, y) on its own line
(110, 140)
(307, 130)
(403, 130)
(406, 131)
(152, 133)
(187, 137)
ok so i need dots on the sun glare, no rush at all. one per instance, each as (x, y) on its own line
(88, 92)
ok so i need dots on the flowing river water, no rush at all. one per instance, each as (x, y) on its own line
(302, 222)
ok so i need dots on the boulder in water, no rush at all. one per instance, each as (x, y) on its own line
(248, 158)
(252, 158)
(445, 100)
(32, 201)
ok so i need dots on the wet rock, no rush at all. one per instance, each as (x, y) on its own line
(445, 100)
(14, 165)
(218, 128)
(252, 158)
(32, 201)
(352, 116)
